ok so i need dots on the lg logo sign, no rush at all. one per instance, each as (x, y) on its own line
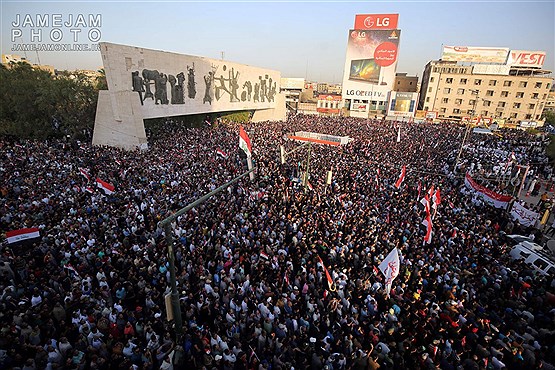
(380, 22)
(376, 21)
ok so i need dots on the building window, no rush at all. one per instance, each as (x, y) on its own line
(520, 95)
(493, 82)
(429, 89)
(513, 115)
(528, 116)
(442, 110)
(535, 95)
(398, 82)
(484, 113)
(544, 96)
(427, 99)
(410, 83)
(463, 81)
(538, 85)
(508, 83)
(516, 106)
(477, 82)
(489, 93)
(426, 107)
(449, 80)
(547, 86)
(445, 100)
(446, 90)
(432, 79)
(504, 94)
(458, 101)
(487, 103)
(537, 116)
(531, 106)
(456, 111)
(501, 104)
(472, 102)
(460, 91)
(523, 84)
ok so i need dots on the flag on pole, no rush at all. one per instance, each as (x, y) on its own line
(328, 276)
(399, 134)
(89, 189)
(390, 268)
(309, 185)
(401, 177)
(221, 153)
(16, 236)
(244, 142)
(84, 173)
(264, 255)
(107, 187)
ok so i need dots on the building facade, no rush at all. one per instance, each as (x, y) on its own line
(404, 83)
(492, 92)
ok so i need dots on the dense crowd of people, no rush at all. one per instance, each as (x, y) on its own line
(93, 291)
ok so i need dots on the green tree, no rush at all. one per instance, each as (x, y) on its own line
(36, 104)
(549, 117)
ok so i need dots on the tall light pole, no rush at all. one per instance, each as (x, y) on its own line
(467, 130)
(166, 225)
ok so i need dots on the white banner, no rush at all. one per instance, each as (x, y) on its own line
(524, 215)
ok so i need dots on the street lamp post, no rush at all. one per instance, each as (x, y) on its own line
(166, 225)
(467, 130)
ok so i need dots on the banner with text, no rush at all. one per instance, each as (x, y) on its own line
(524, 215)
(376, 21)
(525, 58)
(474, 54)
(489, 196)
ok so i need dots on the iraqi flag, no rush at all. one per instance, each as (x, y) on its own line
(107, 187)
(328, 276)
(309, 185)
(16, 236)
(428, 225)
(401, 177)
(85, 173)
(264, 255)
(245, 142)
(221, 153)
(390, 268)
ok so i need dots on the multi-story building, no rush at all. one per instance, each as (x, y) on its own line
(292, 88)
(493, 91)
(550, 102)
(404, 83)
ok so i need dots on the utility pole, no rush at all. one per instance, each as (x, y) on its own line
(166, 225)
(467, 129)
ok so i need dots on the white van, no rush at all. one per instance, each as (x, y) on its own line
(534, 256)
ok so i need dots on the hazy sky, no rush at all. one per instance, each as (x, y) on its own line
(300, 39)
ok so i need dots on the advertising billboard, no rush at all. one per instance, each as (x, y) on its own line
(370, 64)
(402, 104)
(376, 21)
(474, 54)
(525, 58)
(292, 83)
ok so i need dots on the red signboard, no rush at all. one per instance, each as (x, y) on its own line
(327, 110)
(376, 21)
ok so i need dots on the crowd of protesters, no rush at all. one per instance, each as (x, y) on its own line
(92, 291)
